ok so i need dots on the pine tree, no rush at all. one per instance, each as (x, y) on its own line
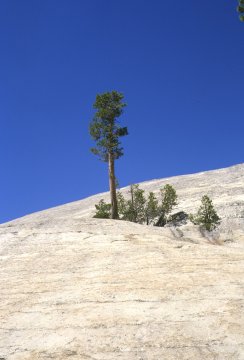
(151, 208)
(168, 201)
(134, 208)
(139, 202)
(106, 131)
(206, 216)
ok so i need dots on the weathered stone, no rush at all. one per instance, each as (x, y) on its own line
(74, 287)
(178, 219)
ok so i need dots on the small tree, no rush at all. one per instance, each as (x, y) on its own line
(106, 131)
(151, 208)
(139, 202)
(103, 210)
(168, 201)
(240, 9)
(135, 207)
(206, 216)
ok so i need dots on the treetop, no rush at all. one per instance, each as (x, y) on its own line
(105, 128)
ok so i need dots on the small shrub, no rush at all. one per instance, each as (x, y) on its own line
(103, 210)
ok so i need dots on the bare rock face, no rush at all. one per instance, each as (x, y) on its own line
(74, 287)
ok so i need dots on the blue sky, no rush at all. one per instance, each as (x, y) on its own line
(178, 63)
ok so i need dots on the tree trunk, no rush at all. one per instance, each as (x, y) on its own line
(112, 187)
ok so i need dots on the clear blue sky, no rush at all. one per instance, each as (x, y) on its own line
(180, 65)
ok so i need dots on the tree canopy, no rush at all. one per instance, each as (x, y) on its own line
(105, 128)
(206, 216)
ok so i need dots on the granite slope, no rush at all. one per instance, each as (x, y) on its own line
(74, 287)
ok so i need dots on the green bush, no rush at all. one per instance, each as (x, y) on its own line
(139, 209)
(142, 210)
(103, 210)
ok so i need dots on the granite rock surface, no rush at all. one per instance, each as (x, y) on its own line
(74, 287)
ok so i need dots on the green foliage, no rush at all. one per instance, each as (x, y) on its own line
(132, 209)
(168, 201)
(138, 202)
(151, 210)
(122, 205)
(142, 210)
(103, 210)
(240, 9)
(206, 215)
(129, 212)
(105, 128)
(169, 198)
(135, 206)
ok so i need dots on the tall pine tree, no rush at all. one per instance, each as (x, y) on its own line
(106, 131)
